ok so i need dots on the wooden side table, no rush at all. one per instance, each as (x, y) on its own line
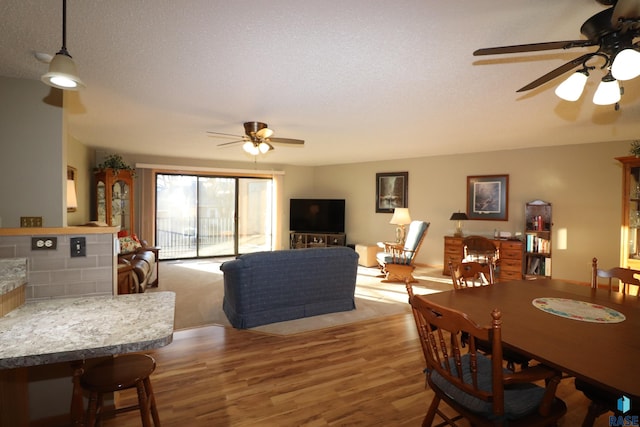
(367, 254)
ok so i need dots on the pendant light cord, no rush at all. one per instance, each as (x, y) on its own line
(63, 49)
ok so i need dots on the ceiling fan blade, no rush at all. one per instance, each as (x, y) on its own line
(286, 141)
(625, 9)
(533, 47)
(557, 72)
(225, 134)
(264, 133)
(231, 142)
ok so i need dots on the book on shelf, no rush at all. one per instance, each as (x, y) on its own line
(534, 266)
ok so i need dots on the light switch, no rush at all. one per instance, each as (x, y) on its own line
(78, 246)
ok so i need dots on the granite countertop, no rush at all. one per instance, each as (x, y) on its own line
(67, 329)
(13, 274)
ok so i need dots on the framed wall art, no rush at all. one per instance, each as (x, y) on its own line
(391, 191)
(488, 197)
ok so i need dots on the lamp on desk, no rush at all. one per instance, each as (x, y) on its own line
(400, 218)
(458, 216)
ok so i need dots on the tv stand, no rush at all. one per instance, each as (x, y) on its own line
(316, 240)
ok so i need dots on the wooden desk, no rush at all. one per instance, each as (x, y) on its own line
(510, 254)
(602, 354)
(75, 329)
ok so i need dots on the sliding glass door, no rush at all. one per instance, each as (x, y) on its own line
(205, 216)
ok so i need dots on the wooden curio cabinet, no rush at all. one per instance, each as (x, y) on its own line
(114, 198)
(630, 234)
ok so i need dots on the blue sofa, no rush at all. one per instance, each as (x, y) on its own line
(269, 287)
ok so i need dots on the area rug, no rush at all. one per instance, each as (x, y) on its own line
(198, 285)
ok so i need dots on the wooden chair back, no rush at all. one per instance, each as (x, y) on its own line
(452, 364)
(479, 248)
(471, 274)
(624, 276)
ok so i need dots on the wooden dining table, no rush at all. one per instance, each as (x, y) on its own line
(603, 354)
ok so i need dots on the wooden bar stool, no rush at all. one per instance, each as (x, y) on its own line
(121, 373)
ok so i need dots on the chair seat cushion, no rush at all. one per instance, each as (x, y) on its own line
(386, 258)
(519, 400)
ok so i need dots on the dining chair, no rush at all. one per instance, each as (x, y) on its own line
(397, 261)
(473, 274)
(603, 401)
(470, 274)
(624, 276)
(475, 385)
(479, 249)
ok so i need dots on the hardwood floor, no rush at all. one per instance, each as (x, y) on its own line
(364, 374)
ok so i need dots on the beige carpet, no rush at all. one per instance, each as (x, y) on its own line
(198, 285)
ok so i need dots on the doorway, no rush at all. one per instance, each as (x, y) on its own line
(200, 216)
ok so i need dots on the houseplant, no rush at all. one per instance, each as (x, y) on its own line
(635, 148)
(116, 163)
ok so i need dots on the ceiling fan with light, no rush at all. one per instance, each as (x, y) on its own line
(257, 139)
(614, 31)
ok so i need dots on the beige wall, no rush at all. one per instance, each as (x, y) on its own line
(582, 182)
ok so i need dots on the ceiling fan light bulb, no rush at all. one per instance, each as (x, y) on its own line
(62, 73)
(608, 92)
(263, 147)
(250, 148)
(571, 89)
(626, 65)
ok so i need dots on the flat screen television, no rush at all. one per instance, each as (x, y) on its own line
(317, 215)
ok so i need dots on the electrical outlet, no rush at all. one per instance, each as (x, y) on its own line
(78, 246)
(44, 243)
(30, 221)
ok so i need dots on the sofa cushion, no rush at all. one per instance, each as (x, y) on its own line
(128, 244)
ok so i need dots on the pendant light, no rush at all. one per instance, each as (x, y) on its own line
(62, 70)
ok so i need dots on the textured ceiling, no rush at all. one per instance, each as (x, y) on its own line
(358, 80)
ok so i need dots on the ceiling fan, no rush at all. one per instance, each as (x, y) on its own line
(257, 138)
(613, 30)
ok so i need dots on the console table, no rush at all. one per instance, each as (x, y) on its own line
(316, 240)
(510, 255)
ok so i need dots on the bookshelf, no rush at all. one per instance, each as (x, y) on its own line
(537, 232)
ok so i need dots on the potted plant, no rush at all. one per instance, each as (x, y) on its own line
(635, 148)
(116, 163)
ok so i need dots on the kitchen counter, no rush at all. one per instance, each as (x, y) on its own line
(70, 329)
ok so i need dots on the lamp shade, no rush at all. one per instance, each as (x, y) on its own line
(459, 216)
(62, 73)
(72, 198)
(571, 89)
(626, 65)
(400, 216)
(608, 91)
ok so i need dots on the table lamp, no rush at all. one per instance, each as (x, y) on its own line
(458, 216)
(400, 218)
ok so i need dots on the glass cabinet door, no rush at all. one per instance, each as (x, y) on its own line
(634, 213)
(101, 199)
(120, 205)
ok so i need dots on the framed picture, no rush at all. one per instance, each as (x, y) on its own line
(391, 191)
(488, 197)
